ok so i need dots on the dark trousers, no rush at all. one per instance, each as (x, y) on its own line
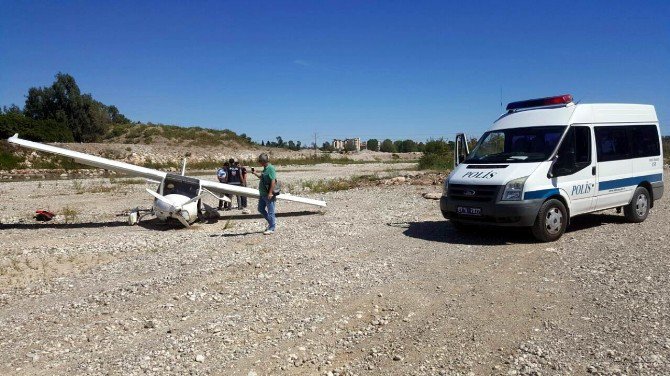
(237, 197)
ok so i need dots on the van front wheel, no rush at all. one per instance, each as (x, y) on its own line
(638, 208)
(551, 221)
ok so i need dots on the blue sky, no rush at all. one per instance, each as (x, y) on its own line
(396, 69)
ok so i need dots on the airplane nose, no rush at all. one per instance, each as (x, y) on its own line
(162, 205)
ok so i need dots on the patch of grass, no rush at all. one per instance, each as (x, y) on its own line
(50, 162)
(334, 185)
(69, 214)
(127, 181)
(100, 188)
(228, 224)
(78, 186)
(15, 263)
(435, 161)
(9, 161)
(191, 136)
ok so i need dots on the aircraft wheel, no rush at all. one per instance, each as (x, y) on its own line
(133, 218)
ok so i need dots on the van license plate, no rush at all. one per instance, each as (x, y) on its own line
(466, 210)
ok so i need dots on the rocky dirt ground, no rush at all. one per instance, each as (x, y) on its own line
(378, 283)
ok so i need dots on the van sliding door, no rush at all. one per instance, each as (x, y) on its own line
(615, 166)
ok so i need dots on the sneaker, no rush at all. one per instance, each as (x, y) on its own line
(245, 211)
(268, 232)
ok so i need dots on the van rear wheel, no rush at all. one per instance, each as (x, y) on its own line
(638, 208)
(551, 221)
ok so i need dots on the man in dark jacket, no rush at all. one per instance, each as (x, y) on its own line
(235, 178)
(243, 175)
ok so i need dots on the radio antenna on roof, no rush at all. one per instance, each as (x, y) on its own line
(501, 102)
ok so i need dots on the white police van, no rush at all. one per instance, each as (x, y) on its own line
(547, 160)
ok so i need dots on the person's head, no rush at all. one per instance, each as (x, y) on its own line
(237, 163)
(263, 159)
(226, 164)
(231, 161)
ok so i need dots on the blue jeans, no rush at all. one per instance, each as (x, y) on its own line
(268, 214)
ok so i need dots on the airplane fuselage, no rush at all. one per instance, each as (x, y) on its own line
(163, 210)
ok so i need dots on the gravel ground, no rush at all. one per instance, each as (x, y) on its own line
(378, 283)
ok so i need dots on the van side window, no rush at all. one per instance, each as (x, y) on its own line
(575, 151)
(612, 143)
(645, 141)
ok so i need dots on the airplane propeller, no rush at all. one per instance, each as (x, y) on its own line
(177, 209)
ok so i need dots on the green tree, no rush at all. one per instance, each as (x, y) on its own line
(409, 146)
(63, 102)
(387, 146)
(291, 145)
(13, 109)
(372, 144)
(118, 118)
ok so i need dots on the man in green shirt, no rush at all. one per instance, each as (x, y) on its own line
(266, 186)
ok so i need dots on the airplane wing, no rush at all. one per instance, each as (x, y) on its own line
(223, 188)
(151, 174)
(91, 160)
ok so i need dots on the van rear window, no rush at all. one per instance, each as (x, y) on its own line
(645, 141)
(627, 141)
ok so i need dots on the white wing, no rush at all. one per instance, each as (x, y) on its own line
(223, 188)
(148, 173)
(92, 160)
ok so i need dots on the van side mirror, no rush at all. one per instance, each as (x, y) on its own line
(550, 173)
(461, 149)
(461, 158)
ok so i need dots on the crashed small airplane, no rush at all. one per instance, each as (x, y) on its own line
(177, 197)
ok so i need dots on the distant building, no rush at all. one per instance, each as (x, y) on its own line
(353, 144)
(338, 144)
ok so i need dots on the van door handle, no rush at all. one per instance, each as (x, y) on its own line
(593, 170)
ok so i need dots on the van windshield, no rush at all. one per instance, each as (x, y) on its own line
(516, 145)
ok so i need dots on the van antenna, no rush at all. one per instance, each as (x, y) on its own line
(501, 98)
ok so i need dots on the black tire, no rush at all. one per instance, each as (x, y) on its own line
(638, 208)
(551, 221)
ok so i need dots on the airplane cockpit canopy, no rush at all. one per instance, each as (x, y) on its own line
(181, 185)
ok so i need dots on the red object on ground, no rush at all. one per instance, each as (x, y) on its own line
(43, 215)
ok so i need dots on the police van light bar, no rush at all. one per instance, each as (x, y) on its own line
(540, 102)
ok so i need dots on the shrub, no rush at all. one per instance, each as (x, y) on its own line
(9, 161)
(437, 155)
(34, 130)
